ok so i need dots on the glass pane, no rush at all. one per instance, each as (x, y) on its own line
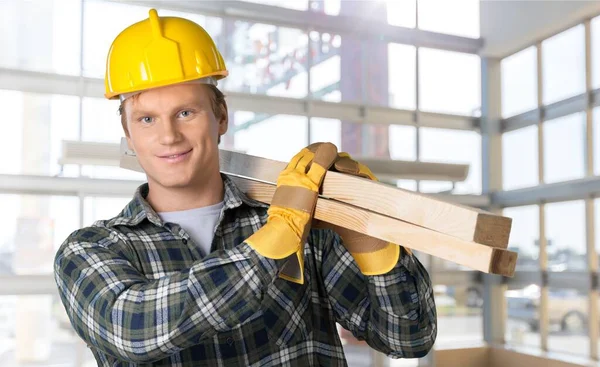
(564, 148)
(98, 34)
(403, 142)
(35, 331)
(563, 65)
(524, 236)
(460, 18)
(460, 315)
(325, 72)
(435, 187)
(519, 82)
(296, 4)
(454, 146)
(329, 130)
(102, 208)
(402, 76)
(38, 125)
(407, 184)
(277, 137)
(596, 140)
(450, 82)
(101, 121)
(53, 26)
(267, 59)
(33, 229)
(568, 313)
(523, 319)
(402, 13)
(595, 24)
(565, 235)
(520, 158)
(597, 225)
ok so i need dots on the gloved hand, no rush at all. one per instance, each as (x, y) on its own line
(373, 256)
(292, 209)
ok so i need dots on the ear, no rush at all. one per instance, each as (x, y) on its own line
(224, 120)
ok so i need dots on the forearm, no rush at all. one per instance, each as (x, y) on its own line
(394, 313)
(132, 318)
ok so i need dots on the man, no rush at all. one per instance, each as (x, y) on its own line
(194, 273)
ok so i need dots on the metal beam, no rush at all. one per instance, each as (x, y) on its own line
(578, 103)
(355, 27)
(35, 82)
(561, 191)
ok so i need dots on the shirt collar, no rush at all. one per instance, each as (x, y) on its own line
(139, 209)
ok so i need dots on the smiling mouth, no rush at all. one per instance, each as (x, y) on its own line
(175, 156)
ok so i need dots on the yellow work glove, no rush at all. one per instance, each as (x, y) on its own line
(373, 256)
(292, 209)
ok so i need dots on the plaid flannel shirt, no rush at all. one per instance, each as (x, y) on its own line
(139, 293)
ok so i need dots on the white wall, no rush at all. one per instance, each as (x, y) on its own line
(508, 26)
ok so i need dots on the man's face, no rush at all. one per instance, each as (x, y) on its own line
(175, 133)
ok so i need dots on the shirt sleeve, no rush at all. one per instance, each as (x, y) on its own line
(394, 313)
(116, 309)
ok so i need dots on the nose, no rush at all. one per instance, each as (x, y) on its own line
(169, 133)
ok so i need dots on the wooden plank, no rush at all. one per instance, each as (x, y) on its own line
(466, 223)
(470, 254)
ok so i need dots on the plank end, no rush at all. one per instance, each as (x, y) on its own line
(492, 230)
(503, 262)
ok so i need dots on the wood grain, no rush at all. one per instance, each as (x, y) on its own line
(470, 254)
(463, 222)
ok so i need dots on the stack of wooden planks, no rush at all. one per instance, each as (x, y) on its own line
(466, 236)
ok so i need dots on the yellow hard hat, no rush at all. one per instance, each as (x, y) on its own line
(160, 51)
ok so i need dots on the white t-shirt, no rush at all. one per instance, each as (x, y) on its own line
(199, 223)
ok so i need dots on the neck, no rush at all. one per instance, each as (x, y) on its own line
(169, 199)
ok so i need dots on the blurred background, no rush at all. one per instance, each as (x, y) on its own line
(507, 89)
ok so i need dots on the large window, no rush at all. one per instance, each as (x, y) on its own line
(41, 35)
(520, 158)
(523, 315)
(449, 82)
(563, 65)
(524, 236)
(564, 148)
(595, 24)
(454, 146)
(566, 236)
(568, 317)
(519, 82)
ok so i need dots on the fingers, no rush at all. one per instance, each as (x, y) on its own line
(325, 156)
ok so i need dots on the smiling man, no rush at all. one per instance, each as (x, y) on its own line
(194, 273)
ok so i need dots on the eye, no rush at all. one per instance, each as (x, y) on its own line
(185, 113)
(146, 119)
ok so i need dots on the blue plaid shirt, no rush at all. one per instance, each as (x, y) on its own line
(139, 293)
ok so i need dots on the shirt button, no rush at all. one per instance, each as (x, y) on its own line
(184, 241)
(230, 341)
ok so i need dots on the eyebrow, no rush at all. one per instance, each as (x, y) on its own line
(177, 108)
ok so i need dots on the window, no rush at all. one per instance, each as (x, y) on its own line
(519, 82)
(520, 158)
(35, 330)
(277, 137)
(568, 314)
(33, 229)
(98, 34)
(564, 148)
(101, 121)
(402, 13)
(454, 146)
(267, 59)
(403, 142)
(524, 236)
(38, 125)
(402, 73)
(326, 130)
(450, 82)
(523, 315)
(460, 317)
(102, 208)
(563, 65)
(325, 72)
(460, 18)
(595, 24)
(41, 35)
(566, 236)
